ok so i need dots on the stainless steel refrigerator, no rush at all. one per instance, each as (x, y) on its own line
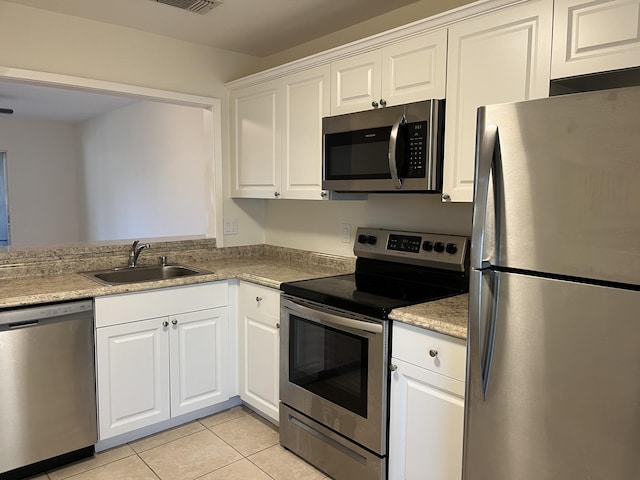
(553, 358)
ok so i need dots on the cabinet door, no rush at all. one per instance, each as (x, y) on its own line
(199, 355)
(595, 36)
(415, 69)
(255, 120)
(259, 314)
(355, 83)
(426, 424)
(306, 101)
(503, 56)
(133, 376)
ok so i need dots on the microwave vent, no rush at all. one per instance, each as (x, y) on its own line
(196, 6)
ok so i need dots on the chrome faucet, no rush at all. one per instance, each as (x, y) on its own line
(134, 253)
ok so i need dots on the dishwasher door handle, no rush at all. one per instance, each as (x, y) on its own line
(25, 324)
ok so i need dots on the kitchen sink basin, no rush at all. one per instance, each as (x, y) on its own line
(118, 276)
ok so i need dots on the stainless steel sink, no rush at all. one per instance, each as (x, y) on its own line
(118, 276)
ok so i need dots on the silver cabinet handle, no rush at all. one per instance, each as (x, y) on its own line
(374, 104)
(278, 325)
(165, 324)
(174, 322)
(323, 194)
(446, 197)
(276, 194)
(393, 368)
(383, 102)
(433, 353)
(258, 299)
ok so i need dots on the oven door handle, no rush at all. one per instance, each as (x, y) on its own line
(333, 320)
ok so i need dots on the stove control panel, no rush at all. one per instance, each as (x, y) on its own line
(426, 249)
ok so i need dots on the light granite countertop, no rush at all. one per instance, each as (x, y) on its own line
(267, 271)
(448, 316)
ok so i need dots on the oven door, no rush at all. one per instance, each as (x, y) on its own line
(334, 369)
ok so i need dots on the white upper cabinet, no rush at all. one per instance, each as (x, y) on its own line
(355, 83)
(256, 145)
(595, 36)
(306, 101)
(277, 136)
(403, 72)
(498, 57)
(415, 69)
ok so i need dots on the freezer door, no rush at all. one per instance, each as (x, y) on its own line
(557, 186)
(556, 394)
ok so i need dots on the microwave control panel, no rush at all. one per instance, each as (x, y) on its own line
(416, 148)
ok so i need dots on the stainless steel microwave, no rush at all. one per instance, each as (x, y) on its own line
(391, 149)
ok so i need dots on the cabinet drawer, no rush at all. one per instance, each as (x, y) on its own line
(417, 345)
(129, 307)
(256, 300)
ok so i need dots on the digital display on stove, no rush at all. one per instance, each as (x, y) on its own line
(404, 243)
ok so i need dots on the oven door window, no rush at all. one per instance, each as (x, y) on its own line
(330, 363)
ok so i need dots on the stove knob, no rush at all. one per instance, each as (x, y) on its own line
(451, 248)
(371, 240)
(427, 245)
(362, 238)
(439, 247)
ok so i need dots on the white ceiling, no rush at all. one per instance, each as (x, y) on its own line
(56, 104)
(253, 27)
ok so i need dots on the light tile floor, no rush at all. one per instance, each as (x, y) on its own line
(233, 445)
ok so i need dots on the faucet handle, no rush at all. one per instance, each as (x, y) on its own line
(163, 260)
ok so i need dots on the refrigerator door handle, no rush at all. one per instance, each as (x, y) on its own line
(483, 301)
(485, 221)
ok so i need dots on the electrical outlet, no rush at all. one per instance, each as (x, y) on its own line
(345, 232)
(231, 227)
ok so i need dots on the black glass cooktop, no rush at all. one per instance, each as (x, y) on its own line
(374, 292)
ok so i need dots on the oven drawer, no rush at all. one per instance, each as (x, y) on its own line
(433, 351)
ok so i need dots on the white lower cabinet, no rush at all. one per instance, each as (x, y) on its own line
(153, 367)
(427, 405)
(259, 349)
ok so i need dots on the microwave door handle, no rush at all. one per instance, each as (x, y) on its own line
(393, 163)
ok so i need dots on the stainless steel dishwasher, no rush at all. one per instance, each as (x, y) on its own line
(47, 387)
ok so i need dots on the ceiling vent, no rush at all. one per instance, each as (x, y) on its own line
(196, 6)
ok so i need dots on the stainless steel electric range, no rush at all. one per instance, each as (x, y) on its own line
(335, 346)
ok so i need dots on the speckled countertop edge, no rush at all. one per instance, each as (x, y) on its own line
(447, 316)
(269, 266)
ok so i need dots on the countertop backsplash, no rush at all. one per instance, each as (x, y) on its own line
(54, 260)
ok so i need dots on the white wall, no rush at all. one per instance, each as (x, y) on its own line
(316, 225)
(393, 19)
(147, 172)
(45, 41)
(45, 194)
